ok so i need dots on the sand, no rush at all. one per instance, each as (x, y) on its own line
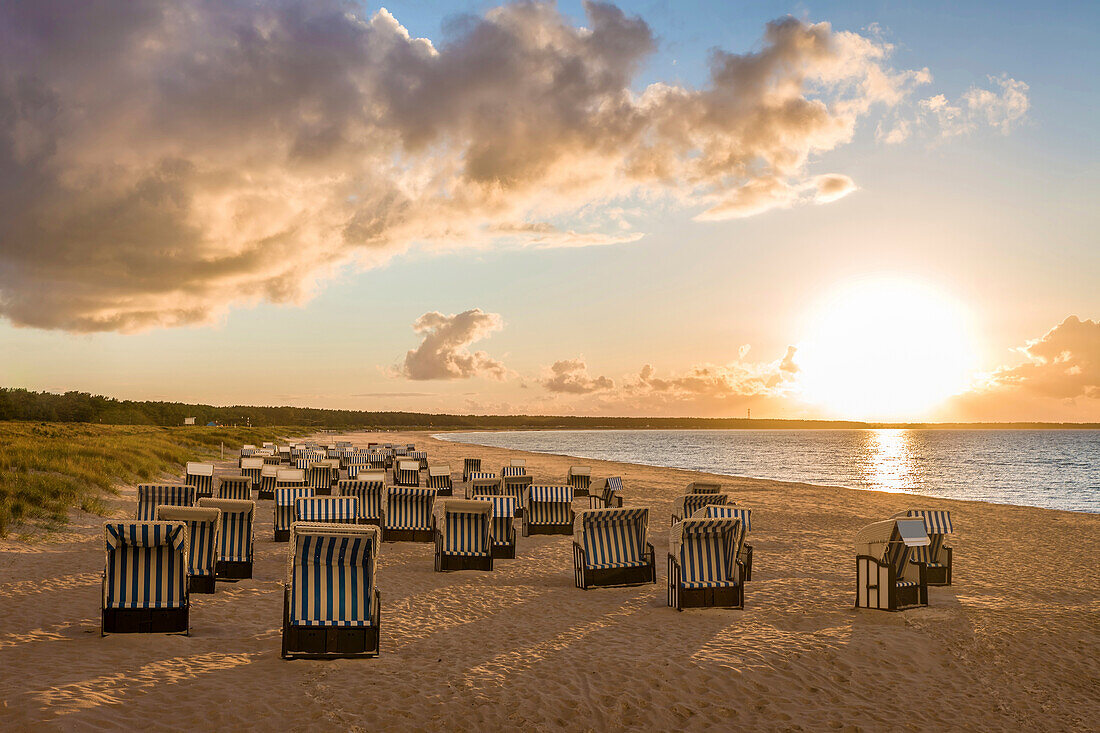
(1013, 644)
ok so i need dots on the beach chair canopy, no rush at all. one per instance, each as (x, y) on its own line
(936, 521)
(270, 471)
(466, 525)
(203, 524)
(370, 494)
(703, 487)
(408, 466)
(146, 565)
(504, 512)
(235, 487)
(706, 548)
(252, 464)
(372, 476)
(150, 496)
(548, 504)
(337, 509)
(875, 539)
(200, 469)
(580, 470)
(331, 573)
(440, 469)
(482, 475)
(237, 528)
(507, 471)
(612, 538)
(290, 476)
(714, 511)
(688, 504)
(409, 507)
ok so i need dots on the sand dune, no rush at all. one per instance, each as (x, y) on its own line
(1014, 644)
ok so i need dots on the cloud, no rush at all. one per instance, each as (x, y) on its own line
(165, 160)
(443, 353)
(718, 382)
(1001, 108)
(570, 376)
(1064, 363)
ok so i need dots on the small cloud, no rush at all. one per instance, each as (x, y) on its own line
(443, 354)
(832, 187)
(570, 376)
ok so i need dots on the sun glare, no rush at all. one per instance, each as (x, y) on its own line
(885, 350)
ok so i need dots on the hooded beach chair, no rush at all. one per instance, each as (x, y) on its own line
(504, 529)
(885, 579)
(303, 461)
(331, 604)
(418, 455)
(470, 466)
(606, 494)
(548, 510)
(145, 578)
(380, 460)
(371, 495)
(354, 464)
(703, 570)
(406, 473)
(290, 478)
(252, 467)
(234, 487)
(439, 478)
(235, 537)
(463, 535)
(937, 556)
(268, 475)
(516, 487)
(285, 499)
(744, 549)
(321, 475)
(703, 487)
(202, 542)
(580, 478)
(482, 484)
(327, 509)
(283, 454)
(512, 471)
(407, 516)
(248, 450)
(201, 476)
(688, 504)
(399, 451)
(150, 496)
(610, 547)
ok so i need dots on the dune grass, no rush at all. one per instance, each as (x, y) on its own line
(48, 468)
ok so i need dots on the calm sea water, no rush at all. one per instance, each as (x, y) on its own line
(1056, 469)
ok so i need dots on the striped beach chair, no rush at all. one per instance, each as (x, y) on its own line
(548, 510)
(504, 528)
(284, 509)
(607, 493)
(482, 484)
(407, 516)
(321, 475)
(439, 478)
(418, 455)
(201, 476)
(610, 547)
(283, 454)
(252, 467)
(380, 460)
(267, 445)
(406, 473)
(703, 570)
(354, 464)
(516, 487)
(303, 461)
(248, 450)
(268, 476)
(506, 471)
(371, 495)
(234, 487)
(399, 451)
(331, 604)
(327, 509)
(236, 537)
(688, 504)
(580, 478)
(287, 478)
(145, 578)
(470, 466)
(150, 496)
(202, 542)
(703, 487)
(885, 579)
(937, 557)
(273, 460)
(463, 535)
(744, 549)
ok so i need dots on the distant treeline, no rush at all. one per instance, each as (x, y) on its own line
(22, 404)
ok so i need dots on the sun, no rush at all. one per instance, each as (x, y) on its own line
(885, 349)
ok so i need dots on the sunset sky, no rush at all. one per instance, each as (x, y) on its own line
(877, 210)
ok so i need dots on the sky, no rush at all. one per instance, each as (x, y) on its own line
(880, 210)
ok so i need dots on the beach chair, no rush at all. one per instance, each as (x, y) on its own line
(703, 487)
(252, 467)
(268, 475)
(201, 476)
(516, 487)
(688, 504)
(607, 493)
(504, 529)
(289, 478)
(150, 496)
(234, 487)
(285, 499)
(885, 579)
(202, 542)
(470, 466)
(303, 461)
(937, 556)
(548, 510)
(380, 460)
(321, 475)
(610, 547)
(268, 446)
(410, 446)
(331, 603)
(248, 450)
(283, 454)
(703, 570)
(482, 484)
(145, 578)
(273, 460)
(463, 535)
(406, 473)
(439, 478)
(327, 509)
(744, 549)
(418, 455)
(371, 495)
(512, 471)
(236, 537)
(355, 464)
(407, 516)
(399, 451)
(580, 478)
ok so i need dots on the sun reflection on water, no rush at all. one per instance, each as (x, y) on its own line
(888, 460)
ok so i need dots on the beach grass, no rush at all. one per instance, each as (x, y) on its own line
(48, 468)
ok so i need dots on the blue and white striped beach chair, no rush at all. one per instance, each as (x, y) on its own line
(400, 451)
(606, 494)
(507, 471)
(470, 466)
(406, 473)
(408, 515)
(268, 476)
(688, 504)
(202, 541)
(516, 487)
(236, 537)
(482, 483)
(937, 556)
(355, 464)
(234, 487)
(439, 478)
(371, 495)
(252, 467)
(331, 603)
(548, 510)
(702, 563)
(463, 535)
(418, 455)
(611, 547)
(327, 509)
(744, 549)
(248, 450)
(504, 528)
(150, 496)
(580, 478)
(290, 478)
(284, 509)
(380, 460)
(885, 579)
(145, 578)
(321, 475)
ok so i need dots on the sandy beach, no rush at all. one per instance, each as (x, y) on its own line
(1014, 644)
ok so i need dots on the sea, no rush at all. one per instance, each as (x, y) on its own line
(1053, 469)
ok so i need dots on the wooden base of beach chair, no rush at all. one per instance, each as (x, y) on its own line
(268, 495)
(230, 570)
(282, 535)
(586, 577)
(450, 563)
(504, 552)
(746, 564)
(329, 642)
(145, 621)
(732, 597)
(940, 575)
(445, 492)
(325, 491)
(876, 587)
(407, 535)
(530, 529)
(375, 522)
(200, 584)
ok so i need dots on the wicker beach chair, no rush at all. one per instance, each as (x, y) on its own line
(327, 509)
(289, 478)
(306, 458)
(406, 473)
(937, 557)
(252, 467)
(504, 528)
(248, 450)
(418, 455)
(516, 487)
(407, 516)
(606, 494)
(321, 475)
(744, 549)
(354, 464)
(506, 471)
(202, 525)
(145, 578)
(610, 547)
(380, 460)
(201, 476)
(236, 535)
(371, 494)
(703, 570)
(331, 603)
(399, 451)
(482, 484)
(703, 487)
(150, 496)
(463, 535)
(439, 478)
(548, 510)
(268, 475)
(283, 454)
(688, 504)
(885, 579)
(234, 487)
(470, 466)
(285, 499)
(580, 478)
